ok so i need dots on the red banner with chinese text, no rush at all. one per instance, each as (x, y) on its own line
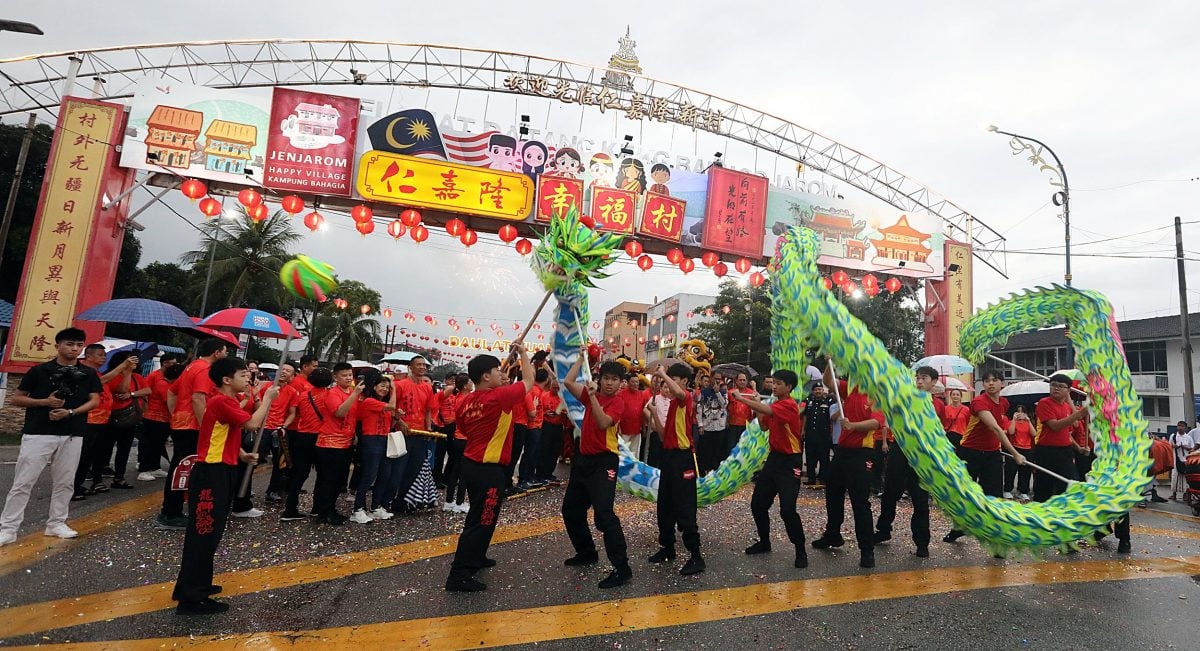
(310, 142)
(614, 209)
(662, 217)
(72, 238)
(557, 195)
(736, 213)
(950, 302)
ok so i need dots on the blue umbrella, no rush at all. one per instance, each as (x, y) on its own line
(137, 311)
(145, 350)
(946, 364)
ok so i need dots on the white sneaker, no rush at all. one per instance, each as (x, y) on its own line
(1026, 497)
(449, 507)
(7, 537)
(350, 498)
(160, 473)
(463, 508)
(1008, 495)
(249, 513)
(360, 516)
(381, 514)
(61, 531)
(146, 476)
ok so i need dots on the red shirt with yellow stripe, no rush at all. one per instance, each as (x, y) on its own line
(858, 409)
(979, 436)
(486, 419)
(221, 432)
(1049, 409)
(677, 431)
(785, 427)
(592, 439)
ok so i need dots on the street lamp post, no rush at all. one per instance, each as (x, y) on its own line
(1062, 197)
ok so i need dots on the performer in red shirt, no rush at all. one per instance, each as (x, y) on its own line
(414, 403)
(593, 481)
(485, 417)
(780, 475)
(156, 422)
(1055, 446)
(456, 489)
(981, 443)
(1020, 433)
(676, 505)
(850, 471)
(213, 481)
(632, 421)
(338, 414)
(901, 477)
(310, 413)
(955, 417)
(190, 392)
(279, 421)
(375, 412)
(531, 448)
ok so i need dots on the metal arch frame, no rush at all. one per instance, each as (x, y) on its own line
(36, 82)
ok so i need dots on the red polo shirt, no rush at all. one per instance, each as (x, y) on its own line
(485, 418)
(785, 427)
(592, 439)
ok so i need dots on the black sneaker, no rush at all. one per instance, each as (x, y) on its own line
(487, 562)
(867, 559)
(663, 555)
(882, 536)
(467, 584)
(333, 520)
(212, 590)
(1156, 498)
(952, 536)
(1124, 547)
(582, 559)
(827, 541)
(694, 565)
(79, 496)
(292, 516)
(202, 607)
(616, 578)
(273, 497)
(922, 551)
(171, 523)
(760, 547)
(801, 559)
(121, 484)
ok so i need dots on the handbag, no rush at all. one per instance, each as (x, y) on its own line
(129, 416)
(396, 447)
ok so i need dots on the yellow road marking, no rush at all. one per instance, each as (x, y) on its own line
(530, 625)
(86, 609)
(1167, 533)
(35, 547)
(1167, 514)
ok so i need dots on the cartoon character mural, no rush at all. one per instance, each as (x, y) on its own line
(568, 163)
(660, 174)
(601, 168)
(534, 155)
(501, 152)
(632, 176)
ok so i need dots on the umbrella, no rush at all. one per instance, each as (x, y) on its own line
(145, 350)
(946, 364)
(1073, 373)
(1026, 391)
(666, 361)
(358, 363)
(137, 311)
(399, 357)
(950, 383)
(197, 331)
(250, 321)
(731, 369)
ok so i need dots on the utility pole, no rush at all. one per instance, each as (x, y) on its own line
(11, 205)
(1189, 389)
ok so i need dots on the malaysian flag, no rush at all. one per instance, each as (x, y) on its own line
(469, 148)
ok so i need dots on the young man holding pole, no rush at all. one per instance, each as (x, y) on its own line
(676, 505)
(1054, 447)
(901, 477)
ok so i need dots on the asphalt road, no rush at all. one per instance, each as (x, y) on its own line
(380, 586)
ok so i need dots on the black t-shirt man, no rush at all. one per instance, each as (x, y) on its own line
(73, 384)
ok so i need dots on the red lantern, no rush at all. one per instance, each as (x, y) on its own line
(314, 221)
(720, 269)
(410, 217)
(361, 213)
(292, 204)
(524, 246)
(849, 287)
(840, 277)
(869, 281)
(507, 233)
(691, 314)
(365, 228)
(725, 310)
(469, 237)
(365, 309)
(587, 220)
(687, 265)
(428, 318)
(258, 213)
(470, 322)
(893, 285)
(387, 312)
(455, 227)
(742, 265)
(210, 207)
(595, 325)
(249, 198)
(709, 258)
(396, 229)
(193, 189)
(757, 279)
(827, 282)
(675, 256)
(645, 262)
(871, 290)
(419, 233)
(633, 248)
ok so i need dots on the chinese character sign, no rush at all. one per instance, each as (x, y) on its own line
(58, 247)
(310, 145)
(662, 217)
(558, 195)
(425, 183)
(959, 302)
(614, 209)
(735, 216)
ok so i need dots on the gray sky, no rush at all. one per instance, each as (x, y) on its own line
(1107, 84)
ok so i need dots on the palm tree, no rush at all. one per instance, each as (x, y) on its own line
(341, 334)
(246, 259)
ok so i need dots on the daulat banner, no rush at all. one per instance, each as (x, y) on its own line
(310, 144)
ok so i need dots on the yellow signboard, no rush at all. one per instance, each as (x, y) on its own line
(425, 183)
(959, 300)
(62, 231)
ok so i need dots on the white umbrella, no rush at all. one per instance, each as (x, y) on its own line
(358, 363)
(399, 357)
(1026, 388)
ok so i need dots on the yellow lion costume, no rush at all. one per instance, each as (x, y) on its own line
(695, 353)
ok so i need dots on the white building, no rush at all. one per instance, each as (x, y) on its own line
(1153, 349)
(670, 320)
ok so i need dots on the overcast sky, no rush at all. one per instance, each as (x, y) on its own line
(1109, 85)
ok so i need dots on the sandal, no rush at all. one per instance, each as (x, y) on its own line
(79, 496)
(122, 484)
(98, 488)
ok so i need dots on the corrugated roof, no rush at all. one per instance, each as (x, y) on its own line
(835, 221)
(246, 134)
(1153, 329)
(6, 313)
(176, 119)
(902, 228)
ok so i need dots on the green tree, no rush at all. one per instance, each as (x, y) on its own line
(442, 371)
(896, 320)
(337, 333)
(246, 261)
(28, 193)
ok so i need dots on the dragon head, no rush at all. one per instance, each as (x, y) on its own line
(572, 253)
(695, 353)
